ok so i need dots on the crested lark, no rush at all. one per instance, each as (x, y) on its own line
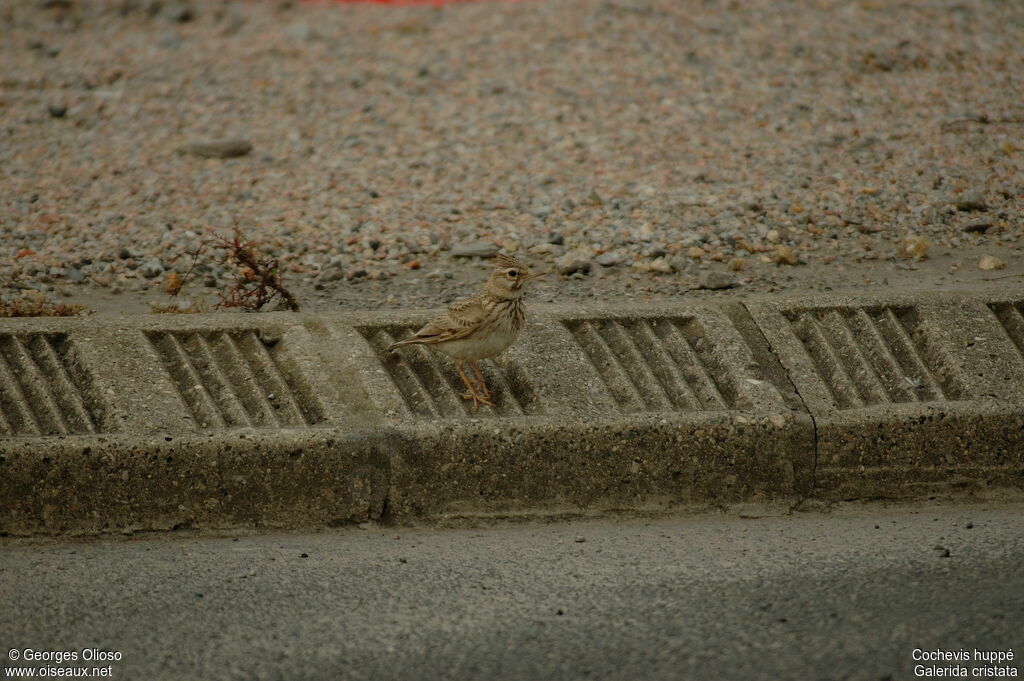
(480, 326)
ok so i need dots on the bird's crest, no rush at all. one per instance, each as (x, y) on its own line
(503, 260)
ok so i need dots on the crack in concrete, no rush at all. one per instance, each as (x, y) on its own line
(796, 391)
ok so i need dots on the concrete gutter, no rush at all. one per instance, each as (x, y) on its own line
(286, 420)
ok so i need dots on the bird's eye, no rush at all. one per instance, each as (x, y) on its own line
(513, 274)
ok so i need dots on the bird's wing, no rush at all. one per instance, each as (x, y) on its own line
(458, 321)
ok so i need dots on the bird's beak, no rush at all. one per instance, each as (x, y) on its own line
(534, 276)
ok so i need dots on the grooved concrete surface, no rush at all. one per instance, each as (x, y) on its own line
(848, 596)
(210, 420)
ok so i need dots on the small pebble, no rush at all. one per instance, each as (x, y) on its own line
(913, 248)
(228, 148)
(971, 200)
(476, 249)
(172, 283)
(990, 262)
(661, 266)
(784, 255)
(332, 272)
(572, 263)
(714, 280)
(151, 269)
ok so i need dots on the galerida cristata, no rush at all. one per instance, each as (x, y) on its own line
(481, 326)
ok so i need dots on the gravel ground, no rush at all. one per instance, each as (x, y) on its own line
(641, 148)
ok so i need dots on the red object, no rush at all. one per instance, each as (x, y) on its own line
(434, 3)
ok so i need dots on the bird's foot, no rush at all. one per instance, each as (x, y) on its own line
(477, 400)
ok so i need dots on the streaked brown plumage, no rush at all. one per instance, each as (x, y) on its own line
(481, 326)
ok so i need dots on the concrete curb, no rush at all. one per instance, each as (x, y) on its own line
(281, 420)
(906, 389)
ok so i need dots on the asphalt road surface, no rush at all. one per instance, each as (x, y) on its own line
(849, 595)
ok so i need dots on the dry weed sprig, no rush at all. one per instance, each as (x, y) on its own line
(260, 281)
(30, 307)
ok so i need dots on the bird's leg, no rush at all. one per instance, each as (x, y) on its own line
(465, 379)
(472, 394)
(480, 379)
